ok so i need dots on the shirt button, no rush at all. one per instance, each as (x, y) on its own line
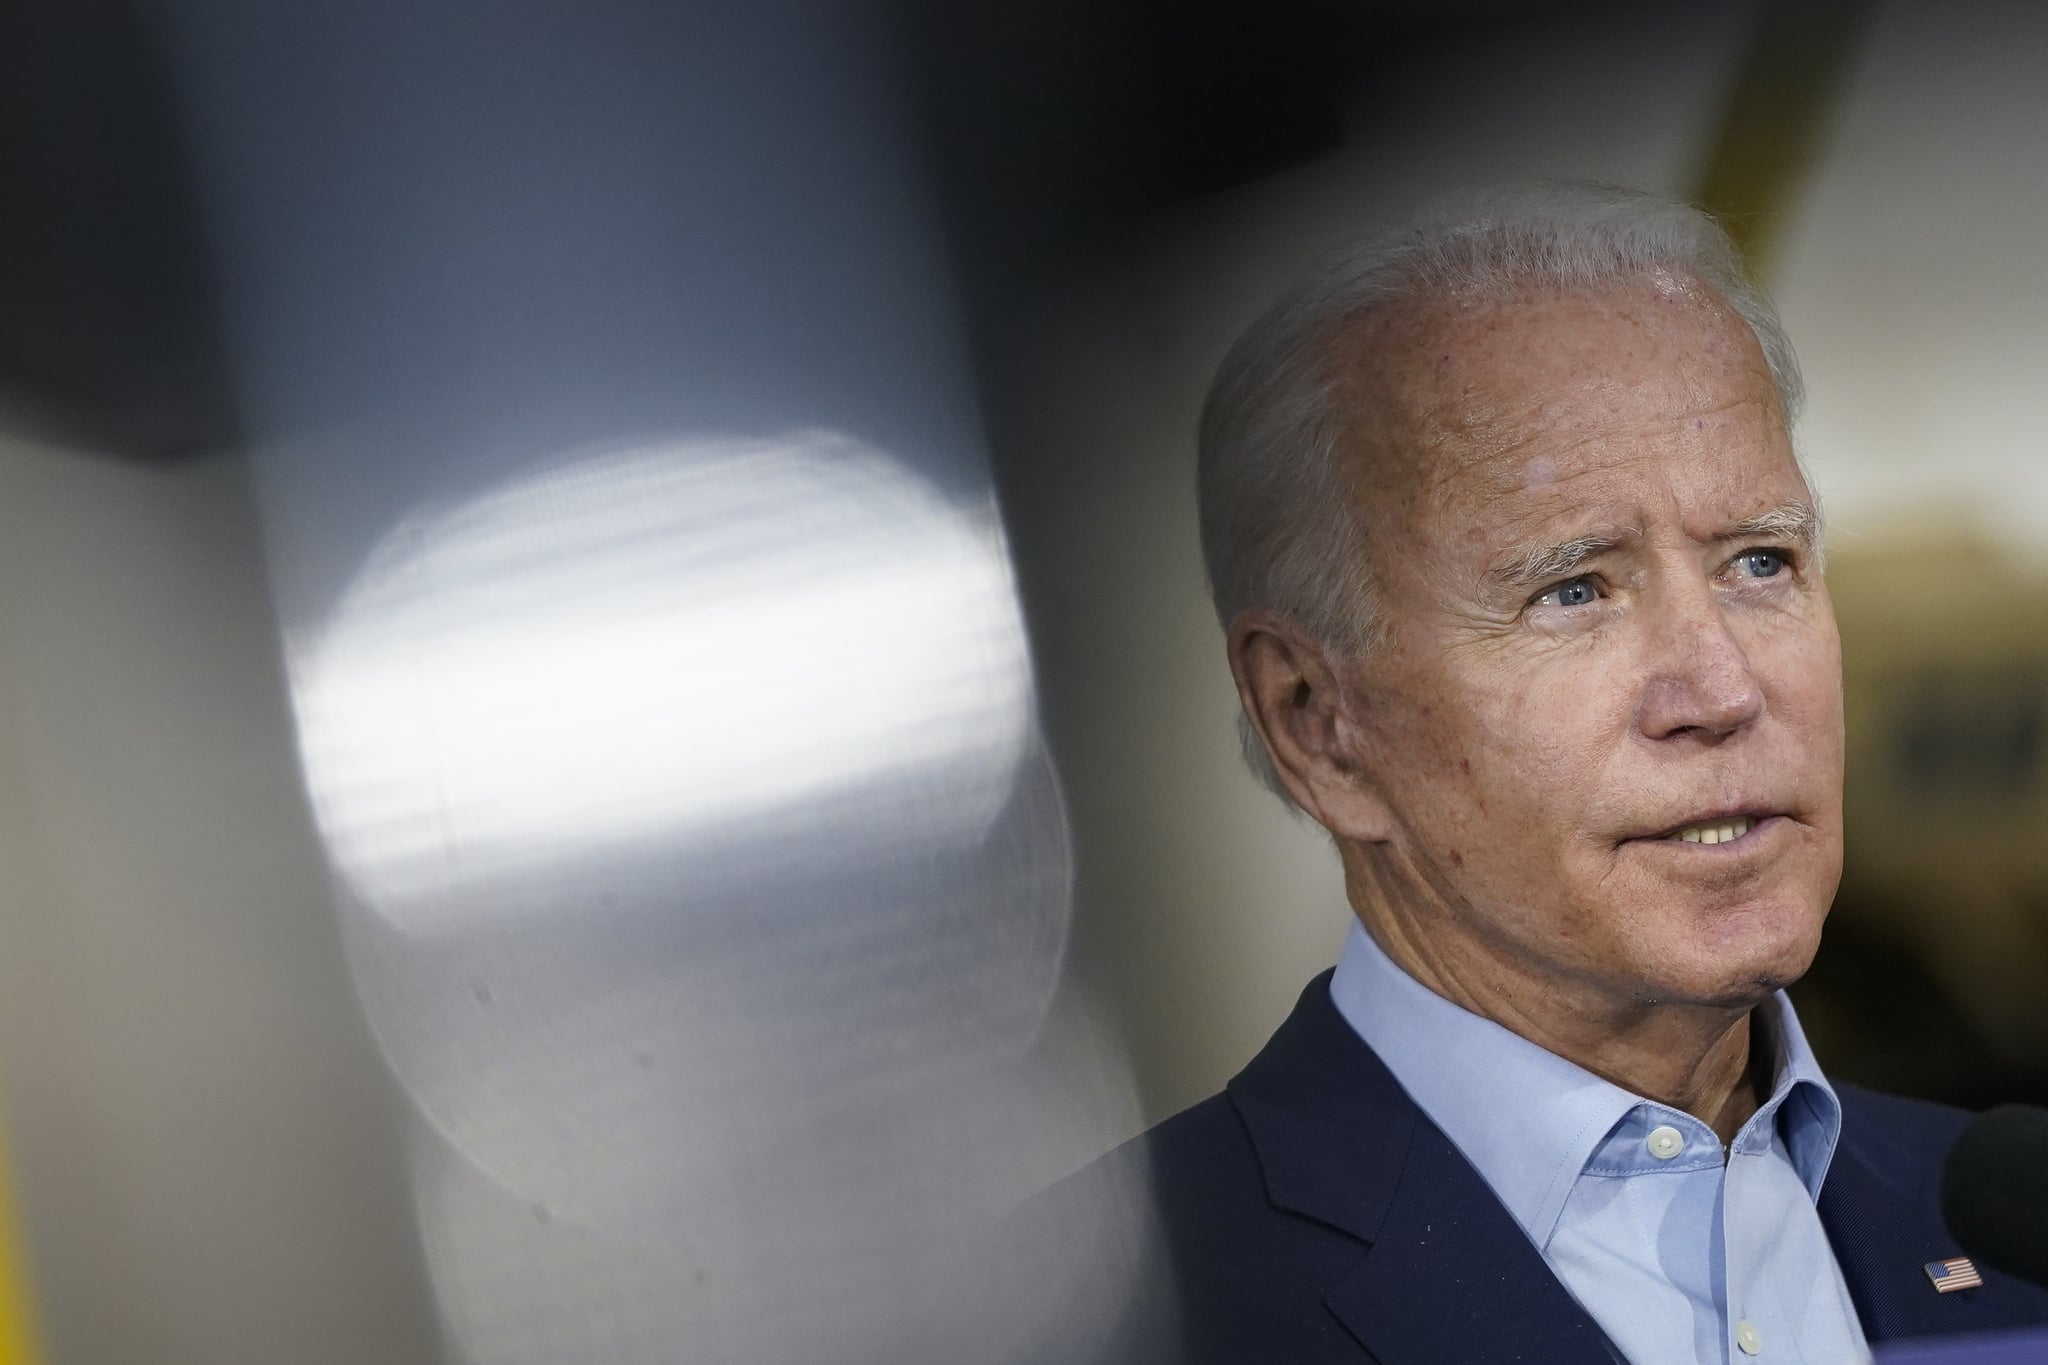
(1666, 1142)
(1748, 1338)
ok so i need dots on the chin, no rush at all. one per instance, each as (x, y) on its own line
(1738, 960)
(1746, 974)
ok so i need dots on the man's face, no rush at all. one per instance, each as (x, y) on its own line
(1606, 720)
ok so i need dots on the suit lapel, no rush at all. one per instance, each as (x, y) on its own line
(1447, 1275)
(1452, 1277)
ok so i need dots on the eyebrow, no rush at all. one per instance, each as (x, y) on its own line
(1532, 565)
(1797, 521)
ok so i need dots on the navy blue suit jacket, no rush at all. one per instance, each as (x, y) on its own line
(1313, 1214)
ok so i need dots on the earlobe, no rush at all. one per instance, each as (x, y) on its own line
(1293, 694)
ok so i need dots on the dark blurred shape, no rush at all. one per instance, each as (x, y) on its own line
(1975, 732)
(107, 334)
(1053, 122)
(1052, 117)
(1881, 1017)
(1994, 1191)
(1781, 101)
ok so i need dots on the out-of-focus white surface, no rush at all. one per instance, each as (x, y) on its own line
(703, 873)
(703, 641)
(707, 885)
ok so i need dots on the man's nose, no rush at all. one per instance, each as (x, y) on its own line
(1700, 681)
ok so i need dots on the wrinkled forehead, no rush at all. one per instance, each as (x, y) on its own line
(1455, 402)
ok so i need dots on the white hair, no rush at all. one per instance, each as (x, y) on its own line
(1277, 519)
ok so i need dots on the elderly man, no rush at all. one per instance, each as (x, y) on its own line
(1521, 581)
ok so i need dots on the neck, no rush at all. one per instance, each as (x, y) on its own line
(1696, 1058)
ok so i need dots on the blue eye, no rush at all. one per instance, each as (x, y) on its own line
(1573, 592)
(1760, 563)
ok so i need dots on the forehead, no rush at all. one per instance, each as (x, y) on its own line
(1479, 411)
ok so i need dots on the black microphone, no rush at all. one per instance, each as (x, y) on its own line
(1994, 1191)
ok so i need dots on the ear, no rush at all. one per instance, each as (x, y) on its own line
(1293, 695)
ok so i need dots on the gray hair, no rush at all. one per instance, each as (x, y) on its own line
(1278, 529)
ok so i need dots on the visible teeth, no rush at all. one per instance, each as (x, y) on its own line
(1720, 832)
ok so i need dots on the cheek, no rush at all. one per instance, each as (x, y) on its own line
(1547, 730)
(1539, 784)
(1487, 767)
(1429, 755)
(1803, 678)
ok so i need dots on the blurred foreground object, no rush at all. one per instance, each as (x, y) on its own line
(694, 640)
(704, 874)
(659, 675)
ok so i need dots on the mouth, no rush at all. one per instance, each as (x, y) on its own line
(1723, 828)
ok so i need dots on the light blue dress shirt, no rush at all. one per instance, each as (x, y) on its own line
(1680, 1249)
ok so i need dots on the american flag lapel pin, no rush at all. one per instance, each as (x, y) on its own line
(1955, 1273)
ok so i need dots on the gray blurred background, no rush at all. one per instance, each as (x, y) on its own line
(309, 312)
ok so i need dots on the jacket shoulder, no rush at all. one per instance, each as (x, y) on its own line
(1881, 1204)
(1906, 1127)
(1089, 1260)
(1168, 1249)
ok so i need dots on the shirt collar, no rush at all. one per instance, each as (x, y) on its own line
(1528, 1120)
